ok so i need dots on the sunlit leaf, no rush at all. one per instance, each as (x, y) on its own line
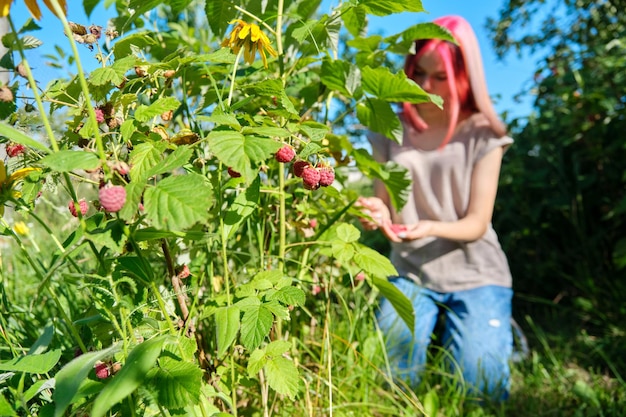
(255, 326)
(282, 376)
(66, 161)
(227, 324)
(178, 383)
(398, 300)
(379, 116)
(168, 204)
(33, 364)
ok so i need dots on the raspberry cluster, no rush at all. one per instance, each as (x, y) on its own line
(313, 177)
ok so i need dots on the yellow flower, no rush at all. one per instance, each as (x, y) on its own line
(33, 7)
(8, 182)
(21, 229)
(252, 39)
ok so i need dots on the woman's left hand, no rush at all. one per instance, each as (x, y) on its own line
(407, 232)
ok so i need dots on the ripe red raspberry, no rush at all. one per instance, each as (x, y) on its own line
(112, 198)
(81, 203)
(99, 115)
(102, 370)
(311, 178)
(15, 149)
(299, 166)
(233, 173)
(327, 176)
(285, 154)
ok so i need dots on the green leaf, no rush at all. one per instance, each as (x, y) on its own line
(282, 376)
(240, 152)
(244, 205)
(341, 76)
(348, 233)
(178, 383)
(42, 343)
(18, 137)
(169, 206)
(145, 113)
(66, 161)
(5, 408)
(403, 42)
(32, 364)
(256, 362)
(398, 300)
(106, 75)
(355, 19)
(394, 176)
(89, 6)
(397, 87)
(227, 327)
(175, 160)
(72, 375)
(380, 117)
(219, 13)
(143, 157)
(291, 296)
(134, 190)
(255, 326)
(387, 7)
(123, 47)
(373, 262)
(133, 373)
(150, 233)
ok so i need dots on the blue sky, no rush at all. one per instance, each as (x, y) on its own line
(504, 78)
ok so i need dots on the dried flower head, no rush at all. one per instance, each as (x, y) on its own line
(251, 38)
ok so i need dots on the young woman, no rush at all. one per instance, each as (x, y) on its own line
(447, 254)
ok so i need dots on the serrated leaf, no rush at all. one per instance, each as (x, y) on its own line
(72, 375)
(66, 161)
(255, 326)
(355, 19)
(380, 117)
(134, 371)
(143, 157)
(32, 364)
(341, 76)
(173, 161)
(282, 376)
(160, 106)
(291, 296)
(256, 362)
(106, 75)
(134, 190)
(348, 232)
(373, 262)
(227, 324)
(395, 87)
(242, 207)
(178, 383)
(398, 300)
(387, 7)
(240, 152)
(168, 204)
(219, 13)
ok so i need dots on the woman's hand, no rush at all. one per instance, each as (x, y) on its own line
(376, 210)
(407, 232)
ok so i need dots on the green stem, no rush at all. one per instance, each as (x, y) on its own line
(81, 77)
(279, 26)
(232, 78)
(33, 86)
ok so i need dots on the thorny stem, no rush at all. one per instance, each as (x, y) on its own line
(180, 296)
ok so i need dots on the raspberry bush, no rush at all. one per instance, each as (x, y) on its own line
(221, 224)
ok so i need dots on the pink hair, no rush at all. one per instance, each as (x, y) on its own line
(466, 77)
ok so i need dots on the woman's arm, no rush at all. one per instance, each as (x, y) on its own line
(484, 187)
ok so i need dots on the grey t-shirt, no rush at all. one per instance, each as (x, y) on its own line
(440, 191)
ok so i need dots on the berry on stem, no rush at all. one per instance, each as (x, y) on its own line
(327, 176)
(285, 154)
(311, 178)
(14, 149)
(112, 198)
(299, 166)
(82, 204)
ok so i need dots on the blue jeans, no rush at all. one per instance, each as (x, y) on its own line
(476, 331)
